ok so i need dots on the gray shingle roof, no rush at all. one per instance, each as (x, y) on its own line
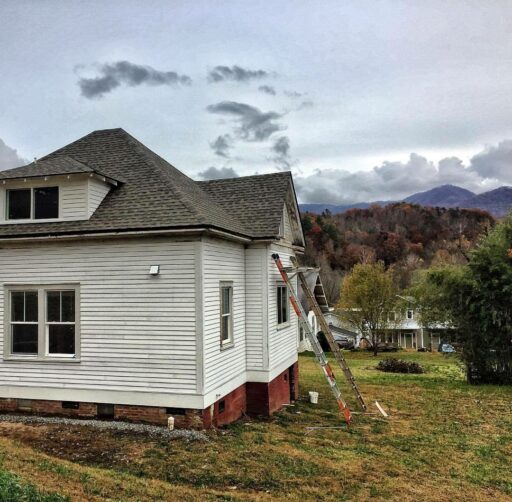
(258, 201)
(154, 194)
(57, 165)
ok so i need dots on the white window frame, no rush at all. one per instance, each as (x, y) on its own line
(286, 322)
(17, 323)
(32, 204)
(43, 338)
(229, 341)
(410, 317)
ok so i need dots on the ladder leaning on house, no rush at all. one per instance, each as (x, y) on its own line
(313, 340)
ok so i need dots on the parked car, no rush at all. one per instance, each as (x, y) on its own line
(446, 348)
(384, 347)
(344, 342)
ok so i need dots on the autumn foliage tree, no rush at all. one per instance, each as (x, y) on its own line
(403, 235)
(368, 295)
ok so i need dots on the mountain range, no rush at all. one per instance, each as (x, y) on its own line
(498, 202)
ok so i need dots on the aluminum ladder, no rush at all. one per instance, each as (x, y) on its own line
(313, 340)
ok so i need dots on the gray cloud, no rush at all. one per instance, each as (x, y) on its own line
(267, 89)
(395, 180)
(495, 162)
(235, 73)
(216, 173)
(281, 148)
(253, 124)
(9, 157)
(112, 75)
(222, 145)
(305, 104)
(293, 94)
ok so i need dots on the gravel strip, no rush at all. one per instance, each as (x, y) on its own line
(149, 430)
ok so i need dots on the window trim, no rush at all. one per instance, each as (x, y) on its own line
(230, 341)
(42, 340)
(286, 323)
(32, 205)
(411, 318)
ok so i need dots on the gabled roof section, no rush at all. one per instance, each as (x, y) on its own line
(154, 194)
(314, 282)
(257, 200)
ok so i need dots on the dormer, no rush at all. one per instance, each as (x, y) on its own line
(53, 190)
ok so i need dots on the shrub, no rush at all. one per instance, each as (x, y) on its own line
(392, 365)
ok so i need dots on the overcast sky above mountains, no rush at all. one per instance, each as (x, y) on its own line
(361, 100)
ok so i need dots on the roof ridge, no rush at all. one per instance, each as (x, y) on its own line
(250, 176)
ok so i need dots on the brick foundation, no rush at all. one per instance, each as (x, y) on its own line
(253, 398)
(267, 398)
(228, 409)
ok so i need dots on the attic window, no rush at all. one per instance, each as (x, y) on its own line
(18, 204)
(46, 203)
(33, 203)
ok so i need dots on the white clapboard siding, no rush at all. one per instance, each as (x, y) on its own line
(286, 226)
(73, 199)
(223, 261)
(282, 340)
(138, 332)
(97, 191)
(256, 298)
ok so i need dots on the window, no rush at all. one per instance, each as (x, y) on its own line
(410, 314)
(46, 203)
(18, 204)
(226, 314)
(175, 411)
(60, 322)
(37, 203)
(70, 405)
(42, 322)
(283, 312)
(24, 322)
(105, 410)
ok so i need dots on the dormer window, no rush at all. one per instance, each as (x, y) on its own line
(33, 203)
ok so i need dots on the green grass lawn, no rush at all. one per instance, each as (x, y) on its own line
(444, 441)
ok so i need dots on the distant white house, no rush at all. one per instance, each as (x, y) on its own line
(406, 331)
(409, 334)
(130, 291)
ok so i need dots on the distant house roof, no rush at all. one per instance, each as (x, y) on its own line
(153, 194)
(314, 282)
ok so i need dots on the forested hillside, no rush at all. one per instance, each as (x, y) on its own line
(407, 236)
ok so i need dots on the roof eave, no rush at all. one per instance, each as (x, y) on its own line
(209, 229)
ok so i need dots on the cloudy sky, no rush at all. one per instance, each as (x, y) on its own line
(361, 100)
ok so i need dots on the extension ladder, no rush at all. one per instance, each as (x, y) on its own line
(313, 340)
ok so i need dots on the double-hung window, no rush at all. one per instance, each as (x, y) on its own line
(226, 314)
(24, 322)
(60, 322)
(42, 322)
(33, 203)
(283, 311)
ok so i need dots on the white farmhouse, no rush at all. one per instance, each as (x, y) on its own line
(130, 291)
